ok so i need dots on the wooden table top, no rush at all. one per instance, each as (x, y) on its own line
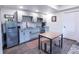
(50, 35)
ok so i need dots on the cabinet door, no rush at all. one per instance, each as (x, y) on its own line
(12, 38)
(22, 37)
(27, 36)
(46, 29)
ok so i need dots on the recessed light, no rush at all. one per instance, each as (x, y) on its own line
(21, 7)
(37, 10)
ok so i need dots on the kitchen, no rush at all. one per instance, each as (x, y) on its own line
(22, 25)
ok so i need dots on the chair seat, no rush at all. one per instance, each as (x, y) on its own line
(45, 45)
(57, 41)
(44, 40)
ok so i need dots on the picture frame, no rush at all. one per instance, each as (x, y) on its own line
(54, 19)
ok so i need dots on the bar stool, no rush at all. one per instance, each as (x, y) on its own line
(44, 45)
(58, 42)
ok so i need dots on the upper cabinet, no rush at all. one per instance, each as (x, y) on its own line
(39, 19)
(27, 18)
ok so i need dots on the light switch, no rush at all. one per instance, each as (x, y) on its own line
(64, 26)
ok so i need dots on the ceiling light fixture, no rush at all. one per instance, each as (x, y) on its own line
(37, 10)
(21, 7)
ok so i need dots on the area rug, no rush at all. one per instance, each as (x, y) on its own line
(74, 49)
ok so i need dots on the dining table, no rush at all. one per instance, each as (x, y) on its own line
(50, 36)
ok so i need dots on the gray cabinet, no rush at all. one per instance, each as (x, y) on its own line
(34, 32)
(30, 33)
(24, 36)
(46, 29)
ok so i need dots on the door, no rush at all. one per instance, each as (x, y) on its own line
(69, 25)
(76, 14)
(1, 49)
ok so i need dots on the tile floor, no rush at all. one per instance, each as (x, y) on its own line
(32, 48)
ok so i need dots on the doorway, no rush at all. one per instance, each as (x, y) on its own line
(69, 25)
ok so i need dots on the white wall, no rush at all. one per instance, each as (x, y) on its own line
(6, 11)
(58, 26)
(75, 18)
(59, 23)
(54, 26)
(76, 15)
(69, 23)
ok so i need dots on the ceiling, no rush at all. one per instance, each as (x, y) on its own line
(41, 8)
(45, 9)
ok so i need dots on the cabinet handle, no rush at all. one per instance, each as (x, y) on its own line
(30, 32)
(24, 33)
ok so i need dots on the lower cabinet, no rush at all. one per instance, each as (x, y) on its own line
(24, 36)
(34, 33)
(29, 34)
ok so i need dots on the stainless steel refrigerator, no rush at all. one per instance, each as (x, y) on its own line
(11, 33)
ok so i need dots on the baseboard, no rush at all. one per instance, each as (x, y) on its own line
(71, 39)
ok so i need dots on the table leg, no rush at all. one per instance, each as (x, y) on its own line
(45, 47)
(61, 41)
(39, 42)
(50, 46)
